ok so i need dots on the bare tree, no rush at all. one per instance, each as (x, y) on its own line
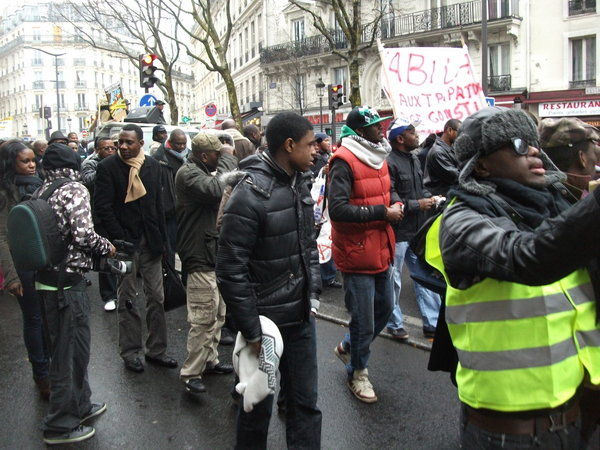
(215, 41)
(357, 35)
(128, 28)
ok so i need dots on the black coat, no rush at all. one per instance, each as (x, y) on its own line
(267, 261)
(407, 181)
(169, 165)
(441, 169)
(115, 219)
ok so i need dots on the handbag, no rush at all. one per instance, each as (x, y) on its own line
(174, 289)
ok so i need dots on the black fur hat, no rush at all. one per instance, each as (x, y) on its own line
(487, 131)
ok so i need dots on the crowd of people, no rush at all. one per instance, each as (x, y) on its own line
(494, 209)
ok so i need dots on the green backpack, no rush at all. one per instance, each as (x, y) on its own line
(33, 236)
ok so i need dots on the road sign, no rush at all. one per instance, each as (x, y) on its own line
(148, 100)
(186, 119)
(491, 101)
(210, 110)
(85, 134)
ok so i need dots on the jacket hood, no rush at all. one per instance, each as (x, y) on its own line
(236, 135)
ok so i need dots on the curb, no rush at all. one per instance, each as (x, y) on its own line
(410, 341)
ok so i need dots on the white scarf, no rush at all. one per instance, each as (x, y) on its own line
(370, 153)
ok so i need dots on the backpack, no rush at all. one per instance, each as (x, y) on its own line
(33, 236)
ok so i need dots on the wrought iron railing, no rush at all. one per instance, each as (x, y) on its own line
(581, 7)
(450, 16)
(38, 85)
(580, 84)
(497, 83)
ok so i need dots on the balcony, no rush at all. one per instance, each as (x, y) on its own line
(582, 84)
(81, 108)
(38, 85)
(436, 19)
(499, 83)
(61, 85)
(79, 62)
(80, 84)
(577, 7)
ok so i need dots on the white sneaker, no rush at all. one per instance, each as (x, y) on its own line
(110, 305)
(361, 387)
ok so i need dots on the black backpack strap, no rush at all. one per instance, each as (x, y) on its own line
(45, 195)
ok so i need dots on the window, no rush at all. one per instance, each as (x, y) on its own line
(583, 58)
(82, 123)
(499, 59)
(62, 100)
(298, 29)
(499, 67)
(498, 9)
(39, 101)
(81, 100)
(581, 7)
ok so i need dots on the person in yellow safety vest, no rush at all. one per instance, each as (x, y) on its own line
(521, 301)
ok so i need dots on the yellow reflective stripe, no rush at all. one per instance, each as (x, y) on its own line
(588, 338)
(508, 309)
(525, 358)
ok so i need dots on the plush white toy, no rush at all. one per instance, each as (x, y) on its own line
(258, 375)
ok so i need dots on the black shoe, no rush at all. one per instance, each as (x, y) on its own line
(399, 333)
(95, 410)
(195, 386)
(428, 333)
(335, 284)
(134, 365)
(226, 337)
(219, 369)
(163, 361)
(81, 433)
(88, 283)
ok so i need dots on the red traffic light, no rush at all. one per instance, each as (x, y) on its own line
(336, 87)
(148, 59)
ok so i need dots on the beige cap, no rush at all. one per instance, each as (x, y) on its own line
(565, 132)
(205, 142)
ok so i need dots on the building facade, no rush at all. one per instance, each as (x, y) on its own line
(541, 54)
(73, 83)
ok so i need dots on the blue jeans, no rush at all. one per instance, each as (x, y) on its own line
(33, 327)
(298, 368)
(369, 298)
(429, 302)
(328, 272)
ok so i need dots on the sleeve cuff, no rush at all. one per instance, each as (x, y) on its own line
(379, 212)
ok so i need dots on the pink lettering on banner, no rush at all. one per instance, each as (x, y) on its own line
(434, 84)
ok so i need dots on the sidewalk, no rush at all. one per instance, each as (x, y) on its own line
(333, 309)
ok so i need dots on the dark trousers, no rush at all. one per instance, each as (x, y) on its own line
(33, 327)
(298, 368)
(107, 283)
(475, 438)
(67, 319)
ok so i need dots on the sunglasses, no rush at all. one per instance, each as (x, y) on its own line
(521, 146)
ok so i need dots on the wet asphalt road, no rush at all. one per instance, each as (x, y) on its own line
(417, 408)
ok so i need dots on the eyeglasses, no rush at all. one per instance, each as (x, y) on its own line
(521, 146)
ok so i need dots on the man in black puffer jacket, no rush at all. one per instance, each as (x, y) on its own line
(267, 264)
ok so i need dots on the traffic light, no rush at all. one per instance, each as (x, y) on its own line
(147, 69)
(47, 112)
(335, 95)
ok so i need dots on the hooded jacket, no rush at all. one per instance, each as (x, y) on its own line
(169, 166)
(243, 146)
(267, 260)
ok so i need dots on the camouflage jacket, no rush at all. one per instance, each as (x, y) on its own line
(71, 203)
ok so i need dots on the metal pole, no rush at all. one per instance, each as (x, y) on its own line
(333, 141)
(321, 112)
(484, 48)
(57, 93)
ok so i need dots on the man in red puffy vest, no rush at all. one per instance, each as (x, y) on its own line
(361, 207)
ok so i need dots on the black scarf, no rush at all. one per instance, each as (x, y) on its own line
(27, 185)
(531, 205)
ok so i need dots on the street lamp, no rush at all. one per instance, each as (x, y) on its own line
(320, 85)
(56, 55)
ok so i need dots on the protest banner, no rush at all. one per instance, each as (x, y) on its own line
(431, 85)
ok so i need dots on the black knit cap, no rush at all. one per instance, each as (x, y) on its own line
(61, 156)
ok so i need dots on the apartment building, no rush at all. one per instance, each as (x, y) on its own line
(45, 63)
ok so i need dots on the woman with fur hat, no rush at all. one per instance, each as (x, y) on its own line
(521, 302)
